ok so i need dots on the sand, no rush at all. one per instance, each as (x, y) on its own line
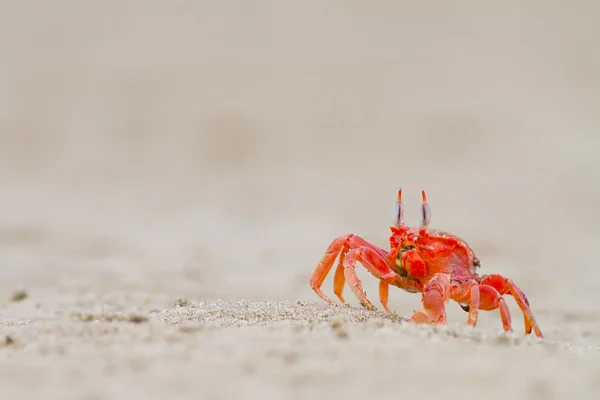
(172, 172)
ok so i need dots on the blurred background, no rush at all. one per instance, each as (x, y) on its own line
(214, 149)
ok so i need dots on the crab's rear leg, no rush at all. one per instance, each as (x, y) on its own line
(375, 261)
(492, 299)
(467, 291)
(324, 266)
(383, 294)
(352, 248)
(507, 286)
(340, 280)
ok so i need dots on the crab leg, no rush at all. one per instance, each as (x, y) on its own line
(383, 294)
(491, 299)
(354, 281)
(324, 266)
(439, 290)
(339, 279)
(466, 290)
(352, 248)
(377, 265)
(436, 294)
(507, 286)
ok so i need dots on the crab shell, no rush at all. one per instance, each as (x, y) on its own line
(440, 252)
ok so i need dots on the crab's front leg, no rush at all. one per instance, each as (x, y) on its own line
(436, 294)
(441, 288)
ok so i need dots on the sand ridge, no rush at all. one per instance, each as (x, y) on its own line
(296, 345)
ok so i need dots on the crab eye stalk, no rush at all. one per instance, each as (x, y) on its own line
(425, 212)
(398, 211)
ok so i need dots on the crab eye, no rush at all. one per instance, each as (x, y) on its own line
(425, 212)
(398, 210)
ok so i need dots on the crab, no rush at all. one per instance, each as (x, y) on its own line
(439, 265)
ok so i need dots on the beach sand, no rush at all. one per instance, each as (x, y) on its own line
(172, 172)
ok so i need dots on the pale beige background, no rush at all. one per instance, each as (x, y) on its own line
(211, 150)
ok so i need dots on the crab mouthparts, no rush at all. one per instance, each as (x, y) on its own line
(400, 269)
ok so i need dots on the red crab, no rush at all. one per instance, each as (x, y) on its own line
(440, 265)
